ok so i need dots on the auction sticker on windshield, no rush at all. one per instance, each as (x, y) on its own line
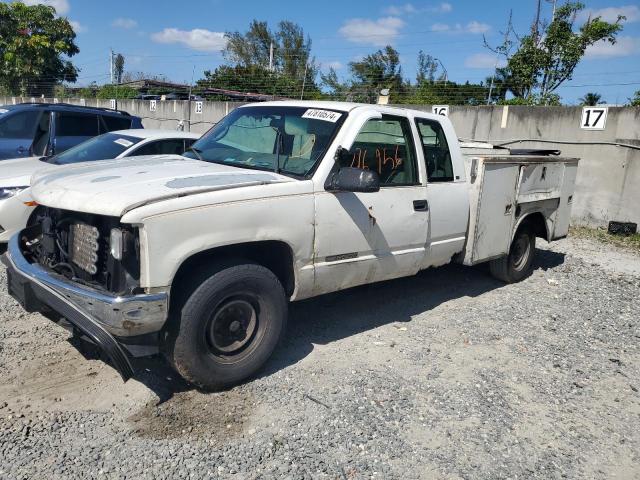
(326, 115)
(123, 142)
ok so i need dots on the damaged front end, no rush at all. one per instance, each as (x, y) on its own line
(85, 270)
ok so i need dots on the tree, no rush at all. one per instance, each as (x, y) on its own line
(375, 72)
(427, 68)
(590, 99)
(116, 91)
(34, 48)
(291, 68)
(549, 54)
(119, 67)
(635, 100)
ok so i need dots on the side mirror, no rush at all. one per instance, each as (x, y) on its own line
(349, 179)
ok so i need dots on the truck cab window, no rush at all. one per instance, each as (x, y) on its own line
(386, 146)
(436, 151)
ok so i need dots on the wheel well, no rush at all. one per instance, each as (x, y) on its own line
(538, 223)
(272, 254)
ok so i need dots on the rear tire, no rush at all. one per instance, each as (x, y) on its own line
(517, 265)
(228, 326)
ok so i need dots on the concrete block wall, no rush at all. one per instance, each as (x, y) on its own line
(608, 183)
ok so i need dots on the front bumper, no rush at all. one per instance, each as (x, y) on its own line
(113, 323)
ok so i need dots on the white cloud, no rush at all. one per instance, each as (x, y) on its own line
(474, 27)
(126, 23)
(610, 14)
(396, 10)
(372, 32)
(196, 39)
(409, 9)
(624, 47)
(440, 27)
(335, 65)
(477, 27)
(444, 7)
(77, 27)
(483, 61)
(61, 6)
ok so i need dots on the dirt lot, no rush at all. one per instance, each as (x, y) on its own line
(449, 374)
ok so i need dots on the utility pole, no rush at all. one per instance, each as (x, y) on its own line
(271, 57)
(111, 65)
(193, 72)
(506, 39)
(304, 80)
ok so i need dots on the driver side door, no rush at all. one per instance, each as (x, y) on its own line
(368, 237)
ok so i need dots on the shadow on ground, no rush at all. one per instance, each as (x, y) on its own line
(335, 316)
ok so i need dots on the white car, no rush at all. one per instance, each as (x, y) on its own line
(16, 205)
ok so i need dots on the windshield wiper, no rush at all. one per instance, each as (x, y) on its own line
(197, 152)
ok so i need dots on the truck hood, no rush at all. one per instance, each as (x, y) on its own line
(17, 172)
(114, 187)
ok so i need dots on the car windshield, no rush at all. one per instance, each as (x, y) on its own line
(103, 147)
(288, 139)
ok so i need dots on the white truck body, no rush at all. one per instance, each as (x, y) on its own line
(183, 208)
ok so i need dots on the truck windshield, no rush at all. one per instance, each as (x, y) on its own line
(288, 139)
(103, 147)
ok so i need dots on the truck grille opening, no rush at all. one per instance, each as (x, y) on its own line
(77, 246)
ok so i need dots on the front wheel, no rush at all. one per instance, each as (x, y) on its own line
(518, 264)
(228, 326)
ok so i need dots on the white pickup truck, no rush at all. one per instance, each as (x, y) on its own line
(196, 256)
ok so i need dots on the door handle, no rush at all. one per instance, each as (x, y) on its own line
(421, 205)
(21, 149)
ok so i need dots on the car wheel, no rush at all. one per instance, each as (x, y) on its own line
(228, 326)
(518, 264)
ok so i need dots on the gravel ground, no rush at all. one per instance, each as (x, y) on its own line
(449, 374)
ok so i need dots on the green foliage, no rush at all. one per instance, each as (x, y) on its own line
(381, 70)
(90, 91)
(34, 49)
(427, 68)
(248, 53)
(375, 72)
(257, 79)
(635, 100)
(448, 93)
(550, 99)
(115, 91)
(591, 99)
(548, 56)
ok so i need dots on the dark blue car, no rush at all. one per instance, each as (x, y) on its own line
(43, 129)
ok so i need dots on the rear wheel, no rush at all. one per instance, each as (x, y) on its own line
(228, 326)
(517, 265)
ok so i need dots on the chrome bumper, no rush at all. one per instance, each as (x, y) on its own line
(126, 316)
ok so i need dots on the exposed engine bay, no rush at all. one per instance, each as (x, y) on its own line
(93, 250)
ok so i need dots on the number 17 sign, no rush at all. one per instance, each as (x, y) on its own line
(594, 118)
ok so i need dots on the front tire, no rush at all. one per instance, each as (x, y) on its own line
(228, 326)
(518, 264)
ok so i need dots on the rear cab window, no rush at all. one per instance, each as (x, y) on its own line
(436, 150)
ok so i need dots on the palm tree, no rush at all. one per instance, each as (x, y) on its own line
(591, 99)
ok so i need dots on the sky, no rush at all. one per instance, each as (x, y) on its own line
(185, 39)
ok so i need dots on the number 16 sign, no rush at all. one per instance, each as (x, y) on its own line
(594, 118)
